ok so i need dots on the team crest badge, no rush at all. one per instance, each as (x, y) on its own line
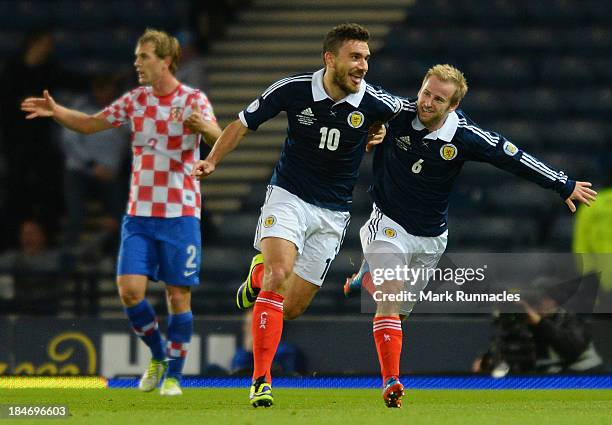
(176, 114)
(510, 149)
(448, 151)
(355, 119)
(389, 232)
(269, 221)
(253, 106)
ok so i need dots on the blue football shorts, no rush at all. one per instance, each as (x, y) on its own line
(164, 249)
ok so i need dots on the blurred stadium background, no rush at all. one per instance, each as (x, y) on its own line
(539, 72)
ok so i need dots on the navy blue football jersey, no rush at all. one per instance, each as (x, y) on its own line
(325, 139)
(414, 169)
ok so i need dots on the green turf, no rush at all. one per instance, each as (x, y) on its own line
(322, 406)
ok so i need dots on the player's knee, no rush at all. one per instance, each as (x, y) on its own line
(178, 301)
(275, 276)
(130, 298)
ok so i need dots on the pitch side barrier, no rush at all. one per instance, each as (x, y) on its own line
(412, 382)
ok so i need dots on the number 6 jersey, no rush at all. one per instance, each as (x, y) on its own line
(414, 169)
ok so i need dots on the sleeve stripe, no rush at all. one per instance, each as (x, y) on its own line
(385, 101)
(386, 98)
(282, 80)
(536, 165)
(280, 83)
(381, 95)
(242, 119)
(541, 164)
(478, 130)
(526, 159)
(486, 136)
(408, 105)
(392, 102)
(269, 92)
(378, 93)
(372, 89)
(535, 168)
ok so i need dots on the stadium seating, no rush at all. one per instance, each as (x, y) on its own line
(537, 74)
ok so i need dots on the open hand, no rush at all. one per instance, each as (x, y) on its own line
(39, 106)
(582, 193)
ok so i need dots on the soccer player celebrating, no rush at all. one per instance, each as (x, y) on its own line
(305, 214)
(160, 234)
(414, 169)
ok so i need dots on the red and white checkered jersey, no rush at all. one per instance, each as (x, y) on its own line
(165, 150)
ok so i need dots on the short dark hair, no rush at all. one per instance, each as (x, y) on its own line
(344, 32)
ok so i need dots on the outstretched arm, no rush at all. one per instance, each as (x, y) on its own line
(227, 142)
(493, 148)
(38, 107)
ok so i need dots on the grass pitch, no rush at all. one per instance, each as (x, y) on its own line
(320, 406)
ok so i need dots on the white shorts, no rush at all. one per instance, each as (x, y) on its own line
(387, 245)
(316, 232)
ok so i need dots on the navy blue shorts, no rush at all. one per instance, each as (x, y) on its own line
(166, 249)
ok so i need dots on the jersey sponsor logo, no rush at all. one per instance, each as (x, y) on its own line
(510, 149)
(448, 151)
(187, 274)
(176, 114)
(269, 221)
(403, 142)
(306, 117)
(253, 106)
(355, 119)
(389, 232)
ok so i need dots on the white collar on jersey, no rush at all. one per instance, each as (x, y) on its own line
(319, 93)
(446, 132)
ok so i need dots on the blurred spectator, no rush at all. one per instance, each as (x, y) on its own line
(34, 160)
(210, 19)
(289, 360)
(192, 65)
(546, 339)
(29, 275)
(93, 165)
(593, 239)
